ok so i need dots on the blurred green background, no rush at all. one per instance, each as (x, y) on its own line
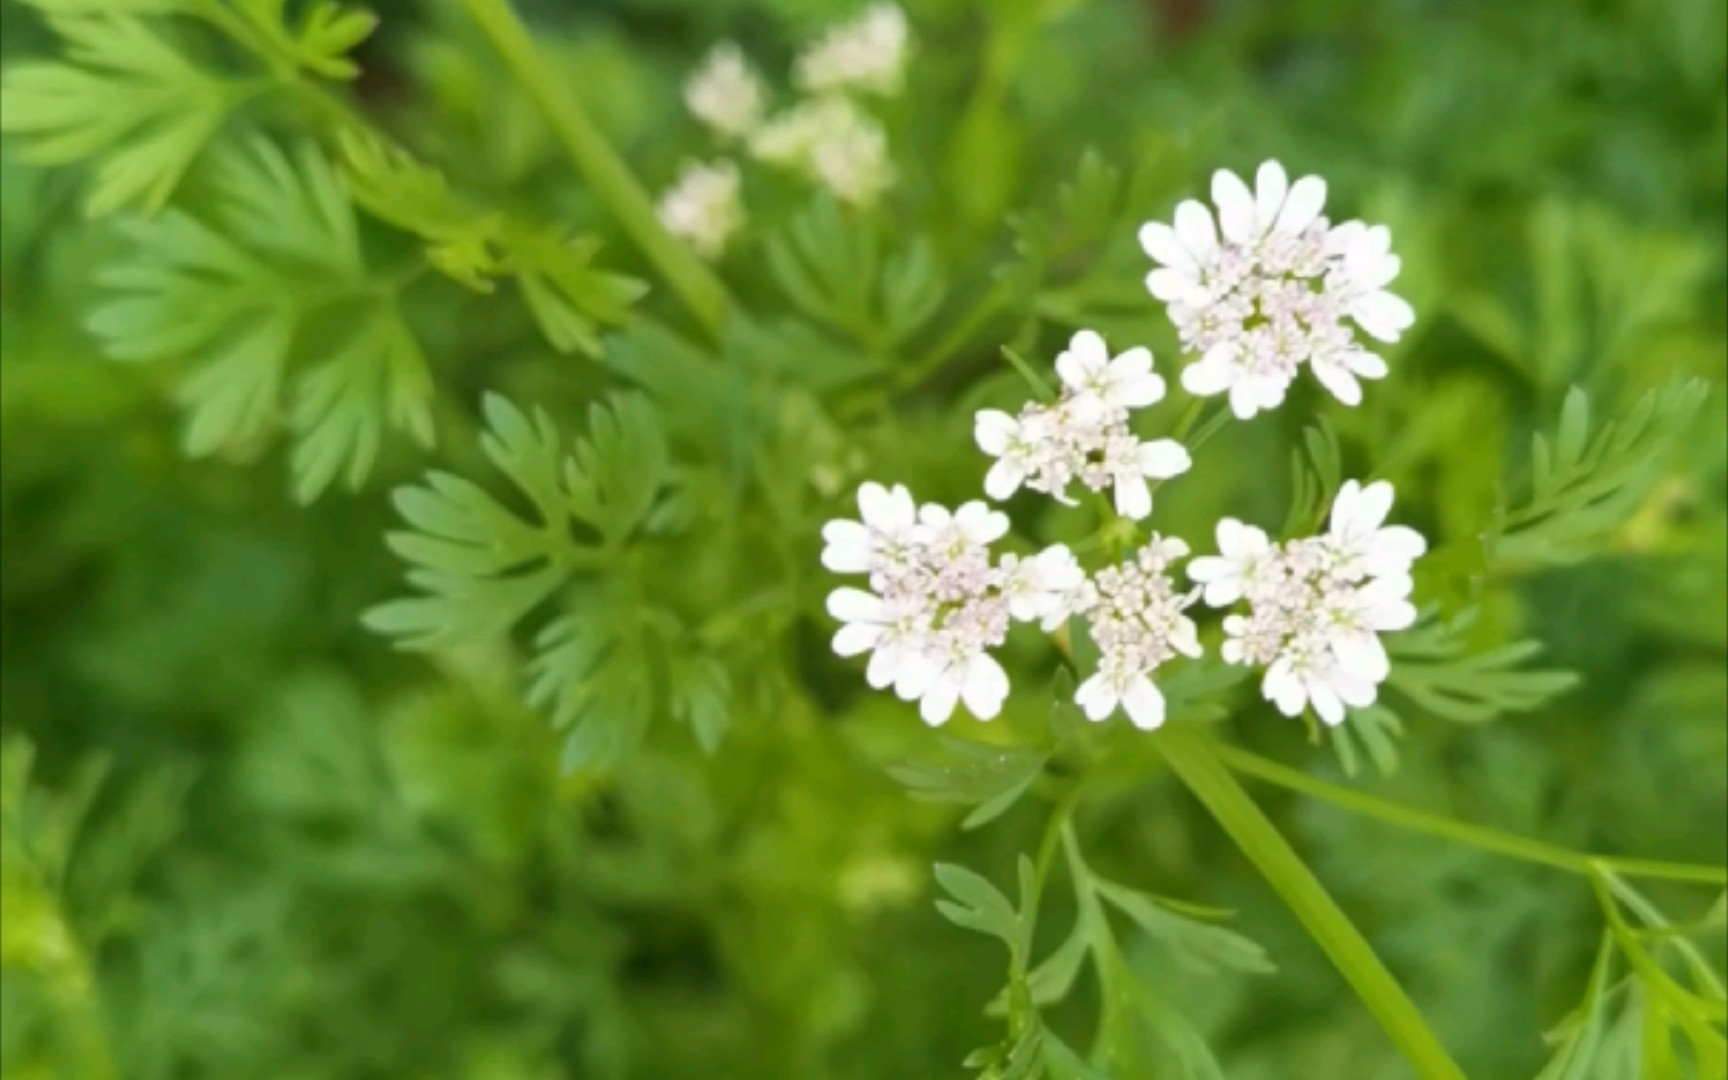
(244, 837)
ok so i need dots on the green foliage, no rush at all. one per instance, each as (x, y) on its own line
(273, 278)
(1583, 484)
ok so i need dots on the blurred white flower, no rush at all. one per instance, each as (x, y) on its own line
(1267, 287)
(1138, 620)
(704, 208)
(937, 604)
(833, 142)
(1084, 435)
(725, 94)
(1317, 605)
(867, 54)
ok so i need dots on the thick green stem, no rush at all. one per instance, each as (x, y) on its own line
(1500, 843)
(1192, 757)
(608, 176)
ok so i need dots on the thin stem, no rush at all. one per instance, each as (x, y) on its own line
(1194, 759)
(1500, 843)
(608, 176)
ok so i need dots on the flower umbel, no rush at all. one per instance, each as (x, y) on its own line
(704, 208)
(725, 94)
(867, 54)
(1267, 287)
(1084, 435)
(937, 603)
(1137, 619)
(1316, 605)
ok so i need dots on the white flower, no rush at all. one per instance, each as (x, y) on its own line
(704, 207)
(1042, 588)
(1317, 605)
(868, 54)
(1084, 435)
(1089, 373)
(1360, 536)
(1137, 619)
(724, 93)
(1243, 552)
(1267, 287)
(937, 604)
(832, 141)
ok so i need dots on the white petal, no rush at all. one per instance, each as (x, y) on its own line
(1144, 704)
(1172, 285)
(1138, 391)
(985, 688)
(1241, 542)
(1361, 654)
(1337, 378)
(938, 702)
(1306, 199)
(1366, 364)
(1244, 402)
(1133, 497)
(1003, 480)
(855, 605)
(849, 546)
(884, 666)
(1384, 315)
(1185, 638)
(1164, 458)
(992, 428)
(1210, 374)
(1396, 615)
(1195, 229)
(1284, 689)
(855, 638)
(1357, 693)
(915, 674)
(1209, 568)
(980, 524)
(1325, 700)
(1159, 241)
(1096, 698)
(1235, 206)
(1270, 187)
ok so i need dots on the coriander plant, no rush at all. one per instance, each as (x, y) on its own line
(500, 495)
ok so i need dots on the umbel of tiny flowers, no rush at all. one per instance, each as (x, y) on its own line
(1137, 618)
(1316, 605)
(725, 94)
(1084, 434)
(936, 602)
(703, 208)
(1268, 287)
(832, 141)
(867, 55)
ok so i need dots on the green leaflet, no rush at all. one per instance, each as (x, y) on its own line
(271, 296)
(479, 568)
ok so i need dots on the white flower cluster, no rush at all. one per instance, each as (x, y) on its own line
(725, 93)
(827, 136)
(1137, 619)
(937, 603)
(1316, 605)
(1084, 435)
(1269, 295)
(833, 141)
(1268, 287)
(703, 208)
(868, 55)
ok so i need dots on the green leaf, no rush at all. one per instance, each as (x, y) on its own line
(1374, 731)
(1196, 943)
(614, 476)
(273, 278)
(990, 779)
(978, 905)
(702, 698)
(1584, 484)
(568, 297)
(125, 99)
(1434, 669)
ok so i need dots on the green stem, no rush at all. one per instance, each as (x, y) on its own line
(608, 176)
(1500, 843)
(1193, 758)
